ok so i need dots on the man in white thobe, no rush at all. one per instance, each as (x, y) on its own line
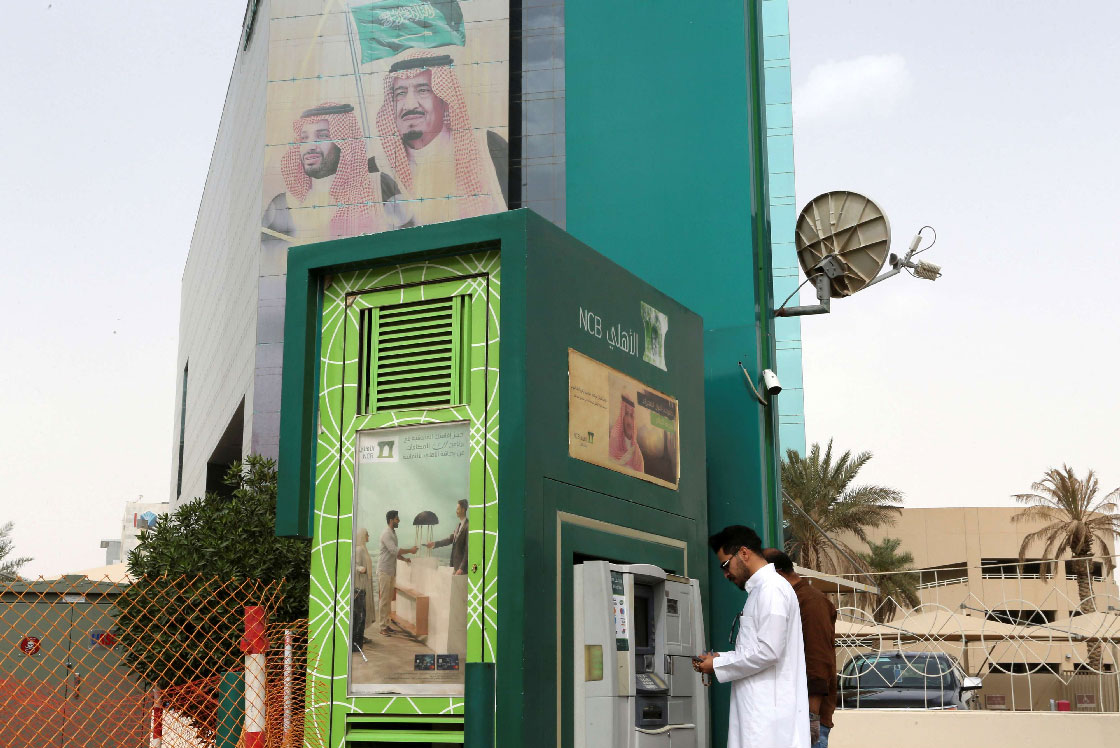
(769, 696)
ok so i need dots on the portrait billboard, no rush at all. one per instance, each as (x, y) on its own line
(617, 422)
(408, 631)
(384, 114)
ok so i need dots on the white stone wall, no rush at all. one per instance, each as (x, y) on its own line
(218, 324)
(872, 728)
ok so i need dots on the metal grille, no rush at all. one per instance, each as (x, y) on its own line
(399, 729)
(412, 355)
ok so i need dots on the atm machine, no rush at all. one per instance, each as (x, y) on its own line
(636, 629)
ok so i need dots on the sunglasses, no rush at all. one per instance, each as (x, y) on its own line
(725, 564)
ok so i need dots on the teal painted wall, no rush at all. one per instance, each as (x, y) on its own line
(657, 149)
(545, 284)
(661, 178)
(778, 91)
(667, 174)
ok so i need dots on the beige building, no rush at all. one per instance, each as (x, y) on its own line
(967, 559)
(970, 556)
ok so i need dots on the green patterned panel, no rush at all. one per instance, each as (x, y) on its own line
(348, 401)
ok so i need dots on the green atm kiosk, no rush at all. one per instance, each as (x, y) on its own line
(495, 438)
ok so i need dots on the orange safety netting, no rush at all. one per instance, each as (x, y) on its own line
(116, 664)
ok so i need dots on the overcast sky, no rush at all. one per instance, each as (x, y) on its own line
(995, 122)
(113, 106)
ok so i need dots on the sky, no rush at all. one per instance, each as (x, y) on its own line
(992, 122)
(115, 105)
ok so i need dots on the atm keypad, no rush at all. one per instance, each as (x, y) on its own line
(650, 683)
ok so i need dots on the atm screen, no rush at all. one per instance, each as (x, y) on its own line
(641, 626)
(643, 635)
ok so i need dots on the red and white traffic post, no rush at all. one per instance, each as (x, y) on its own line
(157, 720)
(254, 646)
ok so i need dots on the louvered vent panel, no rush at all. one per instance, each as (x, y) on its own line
(410, 355)
(374, 730)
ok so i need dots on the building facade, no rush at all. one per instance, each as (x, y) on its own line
(370, 150)
(227, 401)
(139, 516)
(967, 562)
(227, 398)
(970, 556)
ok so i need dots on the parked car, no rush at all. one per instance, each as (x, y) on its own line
(906, 680)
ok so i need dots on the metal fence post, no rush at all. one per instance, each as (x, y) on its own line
(288, 669)
(231, 714)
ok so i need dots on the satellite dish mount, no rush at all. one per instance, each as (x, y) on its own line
(843, 241)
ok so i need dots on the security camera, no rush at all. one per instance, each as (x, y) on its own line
(770, 382)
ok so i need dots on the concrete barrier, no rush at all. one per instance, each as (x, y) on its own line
(870, 728)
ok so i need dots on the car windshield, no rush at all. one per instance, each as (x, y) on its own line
(925, 673)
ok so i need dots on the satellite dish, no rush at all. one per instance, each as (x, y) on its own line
(850, 228)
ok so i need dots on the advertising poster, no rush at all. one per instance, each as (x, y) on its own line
(617, 422)
(409, 614)
(384, 114)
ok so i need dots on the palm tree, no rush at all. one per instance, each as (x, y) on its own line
(896, 588)
(9, 567)
(1077, 521)
(820, 500)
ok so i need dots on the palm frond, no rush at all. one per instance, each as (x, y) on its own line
(820, 485)
(1077, 522)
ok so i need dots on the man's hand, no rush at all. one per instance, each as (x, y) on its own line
(814, 728)
(706, 663)
(430, 544)
(459, 572)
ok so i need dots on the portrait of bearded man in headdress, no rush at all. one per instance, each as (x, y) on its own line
(444, 167)
(623, 446)
(330, 191)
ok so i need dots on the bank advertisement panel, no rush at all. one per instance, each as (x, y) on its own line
(384, 115)
(618, 422)
(409, 621)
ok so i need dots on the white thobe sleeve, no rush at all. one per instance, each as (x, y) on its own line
(756, 653)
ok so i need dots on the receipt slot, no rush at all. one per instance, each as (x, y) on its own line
(636, 629)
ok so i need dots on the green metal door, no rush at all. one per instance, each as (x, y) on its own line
(406, 350)
(104, 704)
(35, 640)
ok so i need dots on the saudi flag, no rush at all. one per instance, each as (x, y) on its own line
(386, 27)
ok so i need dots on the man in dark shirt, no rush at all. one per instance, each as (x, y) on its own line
(818, 626)
(457, 540)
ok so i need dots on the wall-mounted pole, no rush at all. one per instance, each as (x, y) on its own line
(824, 295)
